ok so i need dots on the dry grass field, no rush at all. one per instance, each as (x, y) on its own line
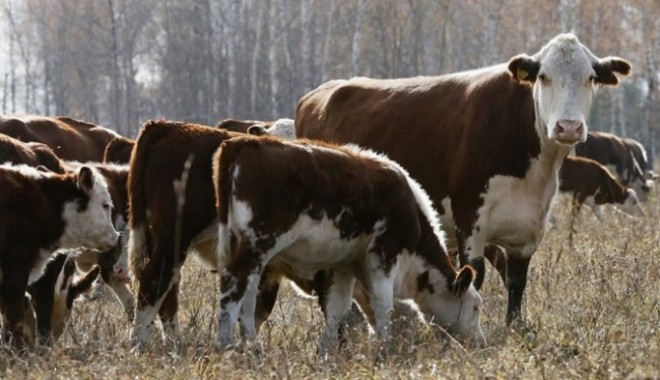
(593, 312)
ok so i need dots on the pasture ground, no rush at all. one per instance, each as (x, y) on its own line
(593, 312)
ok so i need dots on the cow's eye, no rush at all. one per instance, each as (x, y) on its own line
(107, 206)
(544, 79)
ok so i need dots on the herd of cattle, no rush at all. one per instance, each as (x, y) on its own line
(362, 198)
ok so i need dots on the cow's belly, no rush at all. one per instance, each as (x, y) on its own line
(204, 247)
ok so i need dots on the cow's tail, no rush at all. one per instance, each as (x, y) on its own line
(223, 164)
(137, 205)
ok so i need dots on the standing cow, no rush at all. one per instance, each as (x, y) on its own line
(41, 212)
(309, 207)
(485, 144)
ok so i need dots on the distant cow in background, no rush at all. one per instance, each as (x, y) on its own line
(69, 138)
(118, 150)
(592, 184)
(620, 156)
(42, 212)
(283, 128)
(32, 154)
(643, 159)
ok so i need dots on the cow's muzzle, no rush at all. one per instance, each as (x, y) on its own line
(569, 132)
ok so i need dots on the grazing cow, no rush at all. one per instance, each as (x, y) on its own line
(70, 139)
(643, 160)
(620, 156)
(486, 144)
(118, 150)
(52, 295)
(32, 154)
(592, 184)
(309, 207)
(242, 126)
(42, 212)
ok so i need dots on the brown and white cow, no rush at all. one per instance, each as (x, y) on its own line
(171, 203)
(33, 154)
(485, 144)
(69, 138)
(592, 184)
(52, 295)
(309, 207)
(40, 213)
(113, 262)
(620, 155)
(118, 150)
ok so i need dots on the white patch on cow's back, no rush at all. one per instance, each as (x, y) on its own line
(284, 128)
(28, 171)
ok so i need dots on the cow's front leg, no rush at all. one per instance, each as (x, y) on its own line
(13, 305)
(471, 250)
(517, 268)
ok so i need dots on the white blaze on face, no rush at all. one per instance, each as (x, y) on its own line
(564, 86)
(91, 227)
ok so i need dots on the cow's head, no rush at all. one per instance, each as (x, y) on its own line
(283, 128)
(631, 204)
(563, 75)
(455, 306)
(88, 215)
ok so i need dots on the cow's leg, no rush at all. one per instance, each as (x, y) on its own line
(12, 303)
(246, 314)
(497, 258)
(154, 282)
(269, 285)
(239, 274)
(336, 303)
(516, 281)
(471, 251)
(167, 315)
(117, 285)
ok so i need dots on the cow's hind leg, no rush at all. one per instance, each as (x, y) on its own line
(336, 303)
(12, 301)
(167, 315)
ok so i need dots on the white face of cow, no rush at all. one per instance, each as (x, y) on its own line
(459, 312)
(563, 75)
(90, 226)
(631, 205)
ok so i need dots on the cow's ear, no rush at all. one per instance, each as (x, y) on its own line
(463, 280)
(85, 178)
(84, 283)
(524, 68)
(605, 69)
(257, 130)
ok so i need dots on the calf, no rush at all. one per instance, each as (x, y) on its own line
(118, 150)
(42, 212)
(307, 207)
(69, 138)
(619, 155)
(592, 184)
(52, 295)
(32, 154)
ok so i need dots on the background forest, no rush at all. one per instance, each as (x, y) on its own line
(120, 62)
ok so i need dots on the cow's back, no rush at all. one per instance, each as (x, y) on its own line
(439, 128)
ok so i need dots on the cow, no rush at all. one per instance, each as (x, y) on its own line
(485, 144)
(42, 212)
(113, 262)
(619, 155)
(118, 150)
(52, 296)
(32, 154)
(69, 138)
(171, 204)
(308, 207)
(592, 184)
(642, 158)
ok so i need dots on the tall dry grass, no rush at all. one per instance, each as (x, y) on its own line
(592, 310)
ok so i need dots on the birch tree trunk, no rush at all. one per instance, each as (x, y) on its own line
(357, 37)
(273, 58)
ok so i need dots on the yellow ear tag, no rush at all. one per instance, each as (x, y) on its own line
(522, 74)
